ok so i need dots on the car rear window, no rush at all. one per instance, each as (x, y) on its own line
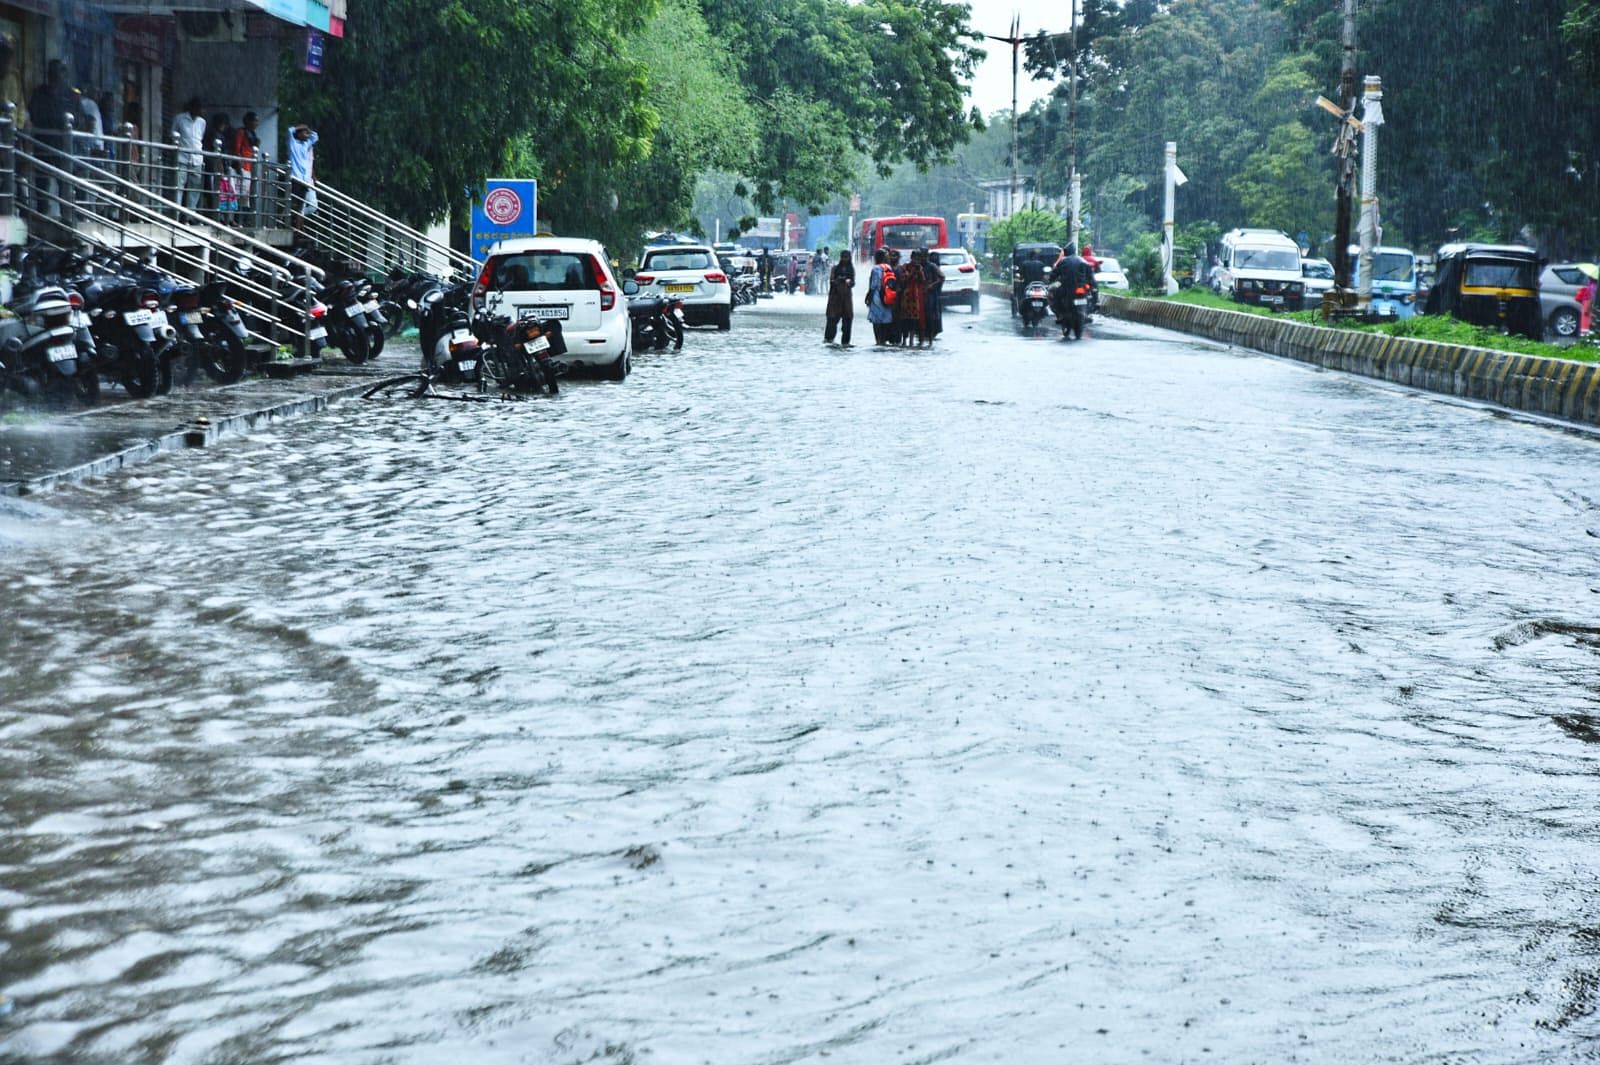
(1110, 266)
(677, 260)
(950, 258)
(1570, 275)
(538, 271)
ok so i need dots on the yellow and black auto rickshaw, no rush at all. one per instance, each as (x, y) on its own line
(1493, 285)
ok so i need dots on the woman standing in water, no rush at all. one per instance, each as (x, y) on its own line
(841, 283)
(908, 311)
(880, 297)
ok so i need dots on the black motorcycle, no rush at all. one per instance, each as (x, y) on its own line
(45, 350)
(225, 354)
(656, 321)
(1034, 305)
(517, 355)
(450, 350)
(346, 320)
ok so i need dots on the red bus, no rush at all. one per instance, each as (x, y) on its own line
(905, 232)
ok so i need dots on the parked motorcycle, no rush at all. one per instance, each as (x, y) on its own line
(517, 354)
(47, 351)
(656, 321)
(444, 330)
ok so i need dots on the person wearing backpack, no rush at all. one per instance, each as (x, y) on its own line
(881, 295)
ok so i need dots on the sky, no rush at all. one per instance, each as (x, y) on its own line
(991, 86)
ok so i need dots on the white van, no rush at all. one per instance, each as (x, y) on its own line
(1260, 266)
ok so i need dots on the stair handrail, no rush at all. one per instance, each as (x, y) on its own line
(199, 224)
(157, 219)
(464, 263)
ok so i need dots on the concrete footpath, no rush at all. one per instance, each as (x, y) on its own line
(42, 449)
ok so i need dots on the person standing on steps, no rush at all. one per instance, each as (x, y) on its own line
(841, 311)
(190, 129)
(302, 173)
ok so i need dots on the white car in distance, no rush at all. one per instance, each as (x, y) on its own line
(691, 273)
(1109, 274)
(960, 277)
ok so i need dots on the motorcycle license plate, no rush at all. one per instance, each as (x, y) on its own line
(533, 347)
(468, 365)
(189, 317)
(136, 317)
(318, 333)
(353, 310)
(680, 288)
(460, 336)
(1081, 303)
(61, 352)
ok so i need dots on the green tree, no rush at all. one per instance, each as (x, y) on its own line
(1026, 226)
(833, 83)
(1287, 184)
(421, 99)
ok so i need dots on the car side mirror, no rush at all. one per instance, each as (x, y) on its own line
(630, 287)
(629, 272)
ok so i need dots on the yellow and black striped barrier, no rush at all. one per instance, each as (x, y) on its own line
(1558, 388)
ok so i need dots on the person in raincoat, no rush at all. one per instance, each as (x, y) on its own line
(1584, 297)
(880, 297)
(841, 312)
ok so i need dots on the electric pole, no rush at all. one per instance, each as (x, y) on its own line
(1015, 41)
(1347, 162)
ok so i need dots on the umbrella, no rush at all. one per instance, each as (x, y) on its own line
(1588, 269)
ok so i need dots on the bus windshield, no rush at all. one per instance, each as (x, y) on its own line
(911, 235)
(1394, 266)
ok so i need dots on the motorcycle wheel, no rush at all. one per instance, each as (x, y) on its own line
(86, 387)
(353, 342)
(375, 339)
(166, 371)
(549, 377)
(224, 358)
(139, 374)
(393, 316)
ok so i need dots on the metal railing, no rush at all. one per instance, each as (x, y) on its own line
(268, 204)
(356, 231)
(49, 194)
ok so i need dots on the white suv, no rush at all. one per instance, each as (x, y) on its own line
(691, 273)
(960, 276)
(567, 279)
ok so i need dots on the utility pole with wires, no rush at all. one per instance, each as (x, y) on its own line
(1015, 41)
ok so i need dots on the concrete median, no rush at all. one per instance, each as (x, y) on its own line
(1556, 388)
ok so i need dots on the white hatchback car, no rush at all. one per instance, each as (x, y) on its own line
(691, 273)
(567, 279)
(1109, 274)
(960, 277)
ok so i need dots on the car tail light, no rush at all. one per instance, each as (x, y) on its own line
(717, 277)
(969, 268)
(608, 298)
(482, 286)
(149, 301)
(645, 279)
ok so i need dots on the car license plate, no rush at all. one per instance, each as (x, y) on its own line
(189, 317)
(353, 310)
(136, 317)
(533, 347)
(545, 312)
(1271, 299)
(62, 352)
(468, 365)
(680, 288)
(318, 333)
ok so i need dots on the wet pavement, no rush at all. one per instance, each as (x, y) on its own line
(1012, 701)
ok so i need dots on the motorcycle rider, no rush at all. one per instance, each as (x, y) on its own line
(1031, 269)
(1071, 273)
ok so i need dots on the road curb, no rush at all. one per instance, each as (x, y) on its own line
(1536, 384)
(196, 434)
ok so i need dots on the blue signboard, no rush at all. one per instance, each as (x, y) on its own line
(313, 52)
(509, 209)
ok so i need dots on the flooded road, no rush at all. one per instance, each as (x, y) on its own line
(1136, 701)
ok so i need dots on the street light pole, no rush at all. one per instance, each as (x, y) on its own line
(1072, 122)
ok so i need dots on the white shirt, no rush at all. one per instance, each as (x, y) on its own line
(191, 133)
(97, 129)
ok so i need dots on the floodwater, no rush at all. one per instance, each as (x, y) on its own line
(1131, 701)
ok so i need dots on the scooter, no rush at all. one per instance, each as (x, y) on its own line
(1034, 305)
